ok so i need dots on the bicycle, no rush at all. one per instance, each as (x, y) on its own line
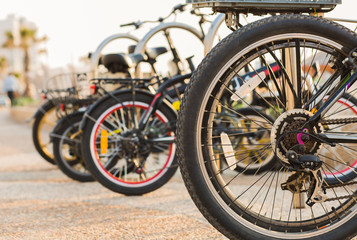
(48, 114)
(171, 95)
(66, 135)
(113, 62)
(312, 193)
(128, 138)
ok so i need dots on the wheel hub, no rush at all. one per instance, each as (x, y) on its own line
(134, 144)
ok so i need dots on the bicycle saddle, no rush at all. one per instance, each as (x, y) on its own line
(153, 53)
(121, 62)
(131, 49)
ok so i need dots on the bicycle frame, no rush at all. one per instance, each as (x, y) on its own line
(344, 85)
(164, 27)
(212, 32)
(335, 90)
(141, 44)
(158, 98)
(96, 55)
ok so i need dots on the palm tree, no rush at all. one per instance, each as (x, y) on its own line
(27, 39)
(3, 64)
(10, 40)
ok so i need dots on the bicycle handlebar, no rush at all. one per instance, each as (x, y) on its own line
(128, 24)
(138, 24)
(179, 7)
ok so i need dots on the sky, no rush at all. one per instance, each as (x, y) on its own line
(76, 27)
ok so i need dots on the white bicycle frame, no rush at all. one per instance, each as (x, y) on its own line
(97, 53)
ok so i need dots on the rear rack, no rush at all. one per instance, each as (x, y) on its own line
(260, 7)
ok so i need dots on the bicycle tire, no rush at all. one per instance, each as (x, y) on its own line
(122, 176)
(66, 148)
(215, 194)
(40, 146)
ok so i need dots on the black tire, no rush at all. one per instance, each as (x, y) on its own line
(43, 147)
(67, 150)
(246, 207)
(114, 167)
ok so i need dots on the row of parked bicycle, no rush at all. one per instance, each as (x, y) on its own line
(123, 133)
(266, 130)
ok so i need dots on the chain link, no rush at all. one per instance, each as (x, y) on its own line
(339, 121)
(340, 198)
(340, 185)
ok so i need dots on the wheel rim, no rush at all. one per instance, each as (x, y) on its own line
(123, 172)
(47, 123)
(69, 151)
(250, 210)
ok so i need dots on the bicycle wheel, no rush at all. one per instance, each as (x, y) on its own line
(66, 148)
(123, 159)
(273, 59)
(45, 121)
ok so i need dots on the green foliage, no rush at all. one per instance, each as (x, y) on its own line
(25, 101)
(17, 75)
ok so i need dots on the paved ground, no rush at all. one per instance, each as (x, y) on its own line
(38, 202)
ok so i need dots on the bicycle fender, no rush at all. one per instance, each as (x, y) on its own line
(61, 121)
(43, 109)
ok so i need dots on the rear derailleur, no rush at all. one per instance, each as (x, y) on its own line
(307, 177)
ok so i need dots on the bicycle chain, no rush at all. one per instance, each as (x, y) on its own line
(341, 185)
(340, 198)
(339, 121)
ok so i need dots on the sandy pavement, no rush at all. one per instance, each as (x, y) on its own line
(37, 201)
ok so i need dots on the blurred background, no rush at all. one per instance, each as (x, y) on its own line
(39, 38)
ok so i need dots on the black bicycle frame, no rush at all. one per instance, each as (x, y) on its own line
(341, 88)
(157, 100)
